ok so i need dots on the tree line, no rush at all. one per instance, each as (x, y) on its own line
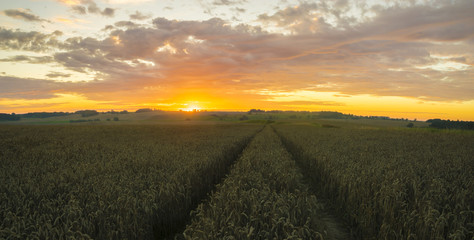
(448, 124)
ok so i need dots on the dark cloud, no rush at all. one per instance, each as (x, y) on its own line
(108, 28)
(93, 8)
(228, 2)
(29, 41)
(79, 9)
(28, 59)
(27, 88)
(108, 12)
(89, 6)
(57, 75)
(139, 16)
(80, 61)
(23, 15)
(301, 19)
(239, 10)
(127, 24)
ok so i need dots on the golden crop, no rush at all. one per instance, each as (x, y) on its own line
(142, 182)
(109, 182)
(263, 197)
(391, 184)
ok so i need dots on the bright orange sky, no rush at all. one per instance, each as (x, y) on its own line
(403, 59)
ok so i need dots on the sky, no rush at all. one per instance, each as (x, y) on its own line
(402, 59)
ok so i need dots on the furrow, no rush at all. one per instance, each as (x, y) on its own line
(263, 197)
(169, 228)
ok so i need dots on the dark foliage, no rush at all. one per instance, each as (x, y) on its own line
(142, 110)
(256, 111)
(88, 113)
(9, 117)
(44, 114)
(448, 124)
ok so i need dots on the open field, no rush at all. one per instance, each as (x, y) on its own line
(391, 183)
(219, 177)
(135, 182)
(162, 117)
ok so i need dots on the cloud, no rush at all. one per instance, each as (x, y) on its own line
(228, 2)
(109, 12)
(398, 51)
(127, 1)
(239, 10)
(127, 24)
(93, 8)
(29, 41)
(78, 9)
(139, 16)
(21, 88)
(58, 74)
(83, 7)
(23, 14)
(28, 59)
(299, 19)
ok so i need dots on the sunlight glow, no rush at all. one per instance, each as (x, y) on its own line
(116, 40)
(192, 39)
(446, 63)
(167, 48)
(191, 107)
(447, 66)
(137, 62)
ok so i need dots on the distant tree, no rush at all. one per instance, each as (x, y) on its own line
(256, 111)
(333, 115)
(87, 113)
(410, 125)
(142, 110)
(43, 114)
(448, 124)
(8, 117)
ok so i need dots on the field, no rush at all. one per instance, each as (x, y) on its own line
(221, 177)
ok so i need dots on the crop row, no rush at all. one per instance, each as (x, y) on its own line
(391, 184)
(263, 197)
(109, 182)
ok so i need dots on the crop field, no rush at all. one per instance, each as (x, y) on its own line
(235, 180)
(108, 182)
(391, 184)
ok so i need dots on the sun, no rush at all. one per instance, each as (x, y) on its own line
(191, 108)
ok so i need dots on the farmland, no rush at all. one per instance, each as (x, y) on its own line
(131, 182)
(309, 179)
(391, 183)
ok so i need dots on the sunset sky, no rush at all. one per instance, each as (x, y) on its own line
(410, 59)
